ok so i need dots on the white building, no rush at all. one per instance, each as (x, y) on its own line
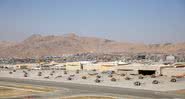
(170, 59)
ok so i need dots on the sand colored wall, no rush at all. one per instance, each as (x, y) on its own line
(92, 67)
(173, 71)
(73, 66)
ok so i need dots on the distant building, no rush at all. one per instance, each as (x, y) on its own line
(144, 69)
(170, 59)
(141, 56)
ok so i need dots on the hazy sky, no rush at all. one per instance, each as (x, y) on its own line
(148, 21)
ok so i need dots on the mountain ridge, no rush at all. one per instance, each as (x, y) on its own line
(51, 45)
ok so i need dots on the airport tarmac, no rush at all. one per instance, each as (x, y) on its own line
(70, 89)
(76, 78)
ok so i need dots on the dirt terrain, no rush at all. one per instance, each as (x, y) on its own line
(8, 91)
(89, 97)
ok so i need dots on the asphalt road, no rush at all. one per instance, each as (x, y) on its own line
(93, 89)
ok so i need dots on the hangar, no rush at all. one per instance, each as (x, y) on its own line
(144, 69)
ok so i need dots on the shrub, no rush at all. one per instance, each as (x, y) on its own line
(155, 82)
(94, 70)
(51, 74)
(39, 73)
(47, 77)
(53, 71)
(110, 76)
(77, 71)
(113, 79)
(137, 83)
(98, 76)
(84, 77)
(65, 72)
(97, 81)
(60, 76)
(141, 77)
(122, 74)
(173, 80)
(127, 78)
(25, 75)
(69, 78)
(153, 76)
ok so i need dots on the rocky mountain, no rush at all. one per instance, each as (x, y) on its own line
(38, 45)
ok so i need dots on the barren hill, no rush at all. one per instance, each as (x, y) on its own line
(38, 45)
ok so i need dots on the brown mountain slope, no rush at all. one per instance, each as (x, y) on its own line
(37, 45)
